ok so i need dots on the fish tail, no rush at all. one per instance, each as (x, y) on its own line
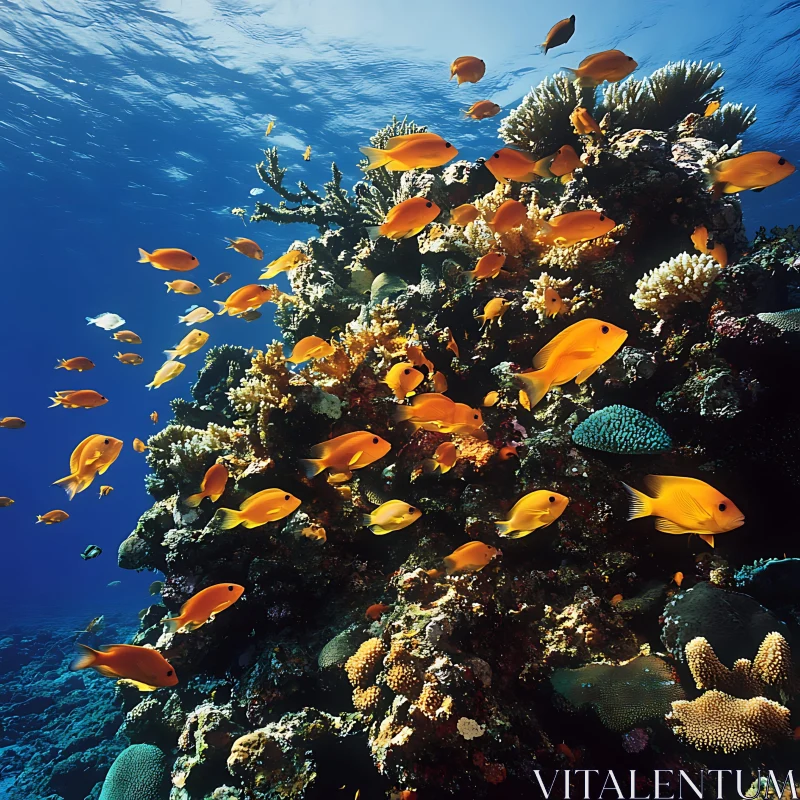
(403, 413)
(231, 246)
(169, 288)
(56, 402)
(536, 385)
(39, 519)
(503, 527)
(312, 466)
(430, 465)
(86, 658)
(171, 353)
(377, 157)
(60, 364)
(573, 73)
(542, 48)
(228, 518)
(72, 485)
(640, 504)
(222, 308)
(172, 624)
(194, 500)
(366, 519)
(144, 256)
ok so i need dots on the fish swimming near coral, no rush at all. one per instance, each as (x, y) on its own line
(79, 364)
(127, 337)
(684, 505)
(393, 515)
(144, 666)
(416, 355)
(444, 459)
(247, 247)
(559, 34)
(310, 348)
(575, 353)
(574, 227)
(190, 343)
(408, 218)
(139, 446)
(470, 557)
(403, 379)
(533, 511)
(490, 399)
(711, 108)
(201, 608)
(107, 321)
(288, 261)
(218, 280)
(345, 453)
(248, 298)
(705, 244)
(376, 611)
(553, 303)
(755, 171)
(467, 69)
(131, 359)
(168, 371)
(493, 310)
(584, 123)
(610, 65)
(464, 214)
(482, 109)
(452, 345)
(81, 398)
(182, 287)
(511, 214)
(508, 165)
(154, 417)
(12, 423)
(53, 517)
(212, 486)
(436, 412)
(412, 151)
(195, 316)
(171, 259)
(93, 456)
(265, 506)
(559, 165)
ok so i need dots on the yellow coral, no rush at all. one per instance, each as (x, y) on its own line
(773, 662)
(367, 699)
(710, 673)
(433, 702)
(403, 679)
(363, 663)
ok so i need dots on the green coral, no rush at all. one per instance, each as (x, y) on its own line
(620, 429)
(139, 773)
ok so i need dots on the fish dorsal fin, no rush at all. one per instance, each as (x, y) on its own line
(461, 549)
(397, 141)
(558, 342)
(656, 484)
(667, 526)
(708, 538)
(354, 459)
(75, 458)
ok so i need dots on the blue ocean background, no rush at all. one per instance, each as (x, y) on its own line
(137, 123)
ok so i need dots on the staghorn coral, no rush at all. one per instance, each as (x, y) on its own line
(684, 278)
(721, 723)
(620, 429)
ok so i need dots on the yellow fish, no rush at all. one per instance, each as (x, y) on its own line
(470, 557)
(467, 69)
(139, 446)
(345, 453)
(510, 215)
(393, 515)
(212, 486)
(554, 305)
(533, 511)
(412, 151)
(509, 165)
(705, 244)
(684, 505)
(417, 357)
(166, 372)
(559, 34)
(436, 412)
(132, 359)
(127, 337)
(154, 417)
(403, 379)
(753, 171)
(577, 352)
(452, 345)
(494, 309)
(711, 108)
(574, 227)
(444, 459)
(270, 127)
(169, 258)
(491, 399)
(93, 456)
(610, 65)
(78, 364)
(311, 347)
(524, 400)
(182, 287)
(560, 164)
(269, 505)
(584, 123)
(247, 247)
(307, 154)
(106, 490)
(248, 298)
(439, 382)
(483, 109)
(223, 277)
(190, 343)
(408, 218)
(290, 260)
(464, 214)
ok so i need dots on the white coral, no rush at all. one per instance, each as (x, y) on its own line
(469, 728)
(681, 279)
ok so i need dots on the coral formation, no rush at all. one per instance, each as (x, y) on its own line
(684, 278)
(139, 773)
(620, 429)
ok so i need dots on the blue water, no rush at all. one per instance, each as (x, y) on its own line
(136, 123)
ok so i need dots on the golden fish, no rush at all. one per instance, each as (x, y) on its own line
(610, 65)
(444, 459)
(418, 358)
(412, 151)
(583, 122)
(247, 247)
(270, 127)
(494, 309)
(408, 218)
(510, 215)
(168, 371)
(145, 667)
(78, 364)
(470, 557)
(182, 287)
(132, 359)
(201, 608)
(490, 399)
(290, 260)
(53, 517)
(574, 227)
(106, 490)
(559, 34)
(82, 398)
(753, 171)
(464, 214)
(12, 423)
(711, 108)
(436, 412)
(560, 164)
(127, 337)
(269, 505)
(169, 258)
(467, 69)
(553, 303)
(212, 486)
(5, 502)
(345, 453)
(533, 511)
(393, 515)
(139, 446)
(247, 298)
(154, 417)
(311, 347)
(452, 345)
(705, 244)
(307, 154)
(93, 456)
(403, 379)
(508, 165)
(483, 109)
(439, 382)
(190, 343)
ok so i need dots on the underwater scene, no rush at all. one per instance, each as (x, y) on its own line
(399, 400)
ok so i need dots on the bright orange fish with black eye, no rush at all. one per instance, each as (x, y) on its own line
(411, 151)
(213, 485)
(574, 227)
(508, 165)
(467, 69)
(705, 244)
(182, 287)
(53, 517)
(408, 218)
(560, 164)
(247, 298)
(144, 666)
(203, 607)
(345, 453)
(553, 303)
(444, 459)
(470, 557)
(78, 364)
(584, 123)
(510, 215)
(610, 65)
(493, 310)
(754, 171)
(169, 258)
(403, 379)
(82, 398)
(488, 266)
(483, 109)
(93, 456)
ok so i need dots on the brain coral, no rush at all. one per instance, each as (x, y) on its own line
(139, 773)
(681, 279)
(619, 429)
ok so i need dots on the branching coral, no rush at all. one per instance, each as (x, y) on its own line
(535, 298)
(682, 279)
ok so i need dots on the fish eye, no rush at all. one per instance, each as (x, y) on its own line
(375, 440)
(286, 497)
(474, 416)
(602, 217)
(106, 441)
(604, 329)
(781, 161)
(551, 499)
(428, 204)
(496, 155)
(406, 372)
(193, 258)
(552, 299)
(412, 510)
(169, 673)
(722, 506)
(629, 58)
(230, 588)
(447, 144)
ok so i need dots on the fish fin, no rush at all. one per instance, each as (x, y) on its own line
(270, 273)
(172, 624)
(366, 519)
(194, 500)
(86, 658)
(103, 469)
(172, 354)
(72, 485)
(144, 257)
(142, 687)
(689, 505)
(708, 538)
(377, 157)
(640, 505)
(379, 530)
(573, 73)
(227, 518)
(504, 528)
(585, 374)
(222, 308)
(56, 402)
(354, 459)
(514, 534)
(667, 526)
(541, 358)
(396, 141)
(430, 465)
(312, 466)
(760, 189)
(231, 245)
(535, 385)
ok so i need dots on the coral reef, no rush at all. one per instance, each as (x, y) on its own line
(620, 429)
(139, 773)
(685, 278)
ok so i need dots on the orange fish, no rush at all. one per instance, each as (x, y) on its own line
(218, 280)
(452, 346)
(577, 352)
(483, 109)
(106, 490)
(493, 310)
(583, 122)
(467, 69)
(610, 65)
(12, 423)
(408, 218)
(560, 164)
(439, 382)
(507, 452)
(93, 456)
(182, 287)
(127, 337)
(247, 298)
(574, 227)
(78, 364)
(345, 453)
(616, 600)
(436, 412)
(139, 446)
(508, 165)
(464, 214)
(213, 486)
(132, 359)
(311, 347)
(168, 371)
(564, 749)
(559, 34)
(169, 258)
(247, 247)
(269, 505)
(510, 215)
(154, 417)
(444, 459)
(403, 379)
(5, 502)
(753, 171)
(203, 607)
(82, 398)
(678, 578)
(705, 244)
(412, 151)
(470, 557)
(535, 510)
(288, 261)
(553, 303)
(417, 357)
(376, 611)
(711, 108)
(316, 532)
(490, 399)
(145, 666)
(53, 517)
